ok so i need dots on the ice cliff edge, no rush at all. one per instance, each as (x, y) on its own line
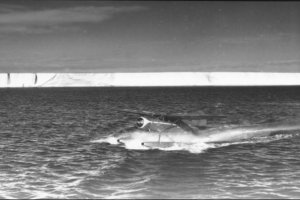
(148, 79)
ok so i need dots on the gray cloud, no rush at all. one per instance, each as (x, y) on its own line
(4, 8)
(248, 39)
(53, 19)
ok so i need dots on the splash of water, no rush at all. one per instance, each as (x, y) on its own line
(214, 138)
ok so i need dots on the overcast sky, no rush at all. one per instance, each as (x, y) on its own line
(143, 36)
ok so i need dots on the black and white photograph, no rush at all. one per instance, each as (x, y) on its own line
(149, 99)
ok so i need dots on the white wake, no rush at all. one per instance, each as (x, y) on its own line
(198, 143)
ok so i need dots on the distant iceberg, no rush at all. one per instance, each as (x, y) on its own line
(148, 79)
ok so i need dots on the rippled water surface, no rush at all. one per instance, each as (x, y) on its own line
(52, 144)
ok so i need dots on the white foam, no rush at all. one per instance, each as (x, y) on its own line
(199, 143)
(182, 141)
(110, 140)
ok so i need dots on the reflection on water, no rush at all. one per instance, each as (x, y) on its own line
(52, 145)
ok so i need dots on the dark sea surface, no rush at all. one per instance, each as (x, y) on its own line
(59, 143)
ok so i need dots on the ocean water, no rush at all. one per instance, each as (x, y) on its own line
(61, 143)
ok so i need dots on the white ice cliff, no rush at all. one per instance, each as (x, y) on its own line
(148, 79)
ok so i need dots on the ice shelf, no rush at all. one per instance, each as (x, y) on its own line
(148, 79)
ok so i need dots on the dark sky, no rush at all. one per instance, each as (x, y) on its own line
(140, 36)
